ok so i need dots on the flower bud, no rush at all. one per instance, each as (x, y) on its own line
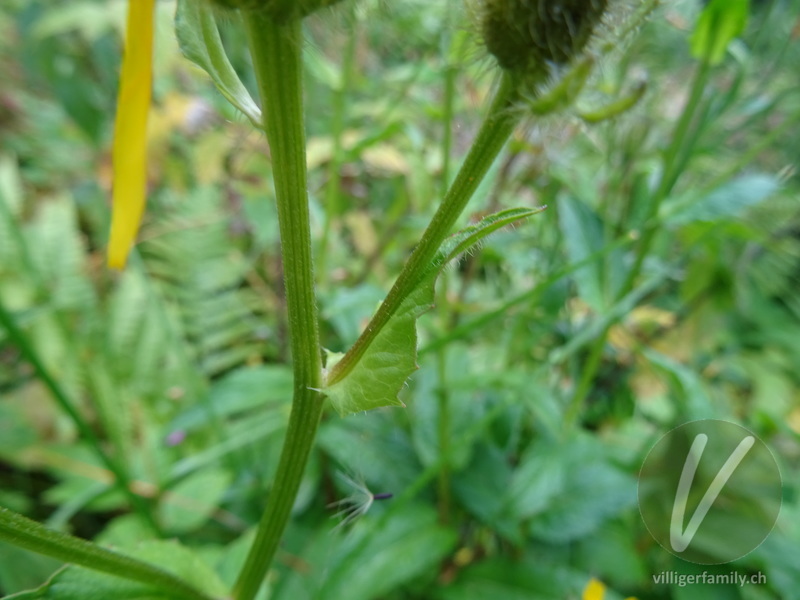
(527, 35)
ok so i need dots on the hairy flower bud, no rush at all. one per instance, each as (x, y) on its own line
(526, 35)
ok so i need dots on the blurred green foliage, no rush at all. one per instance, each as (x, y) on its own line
(180, 363)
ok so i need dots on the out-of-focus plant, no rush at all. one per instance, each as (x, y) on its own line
(371, 374)
(564, 485)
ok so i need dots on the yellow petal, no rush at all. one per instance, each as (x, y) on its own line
(594, 590)
(130, 131)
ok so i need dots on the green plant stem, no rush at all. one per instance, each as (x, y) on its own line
(30, 535)
(69, 407)
(670, 173)
(443, 480)
(589, 371)
(447, 138)
(450, 73)
(277, 60)
(333, 193)
(443, 395)
(673, 163)
(491, 138)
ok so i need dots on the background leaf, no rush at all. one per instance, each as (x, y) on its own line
(190, 503)
(76, 583)
(719, 23)
(199, 40)
(728, 201)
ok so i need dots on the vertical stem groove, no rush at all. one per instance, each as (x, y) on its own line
(276, 51)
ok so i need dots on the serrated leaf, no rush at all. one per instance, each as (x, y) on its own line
(566, 489)
(78, 583)
(378, 376)
(200, 42)
(482, 488)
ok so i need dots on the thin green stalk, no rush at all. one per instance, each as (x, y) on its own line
(673, 163)
(443, 480)
(450, 72)
(277, 60)
(333, 193)
(447, 139)
(589, 371)
(443, 393)
(25, 533)
(491, 138)
(69, 407)
(670, 173)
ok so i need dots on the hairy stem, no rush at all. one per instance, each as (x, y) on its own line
(494, 133)
(25, 533)
(276, 51)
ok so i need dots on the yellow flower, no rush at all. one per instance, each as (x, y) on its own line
(130, 131)
(595, 590)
